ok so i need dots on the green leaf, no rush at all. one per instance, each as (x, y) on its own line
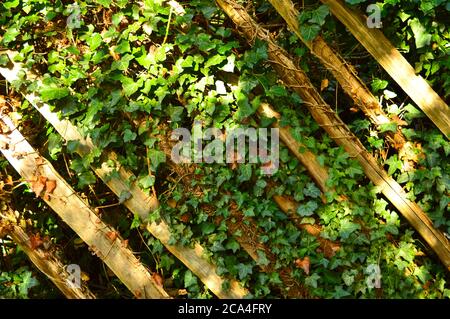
(310, 32)
(94, 41)
(105, 3)
(189, 279)
(52, 92)
(10, 34)
(420, 33)
(378, 85)
(147, 181)
(233, 245)
(207, 228)
(311, 190)
(394, 164)
(4, 60)
(124, 196)
(388, 127)
(123, 63)
(347, 228)
(129, 136)
(11, 4)
(245, 172)
(311, 281)
(307, 209)
(156, 157)
(318, 16)
(244, 270)
(86, 178)
(215, 60)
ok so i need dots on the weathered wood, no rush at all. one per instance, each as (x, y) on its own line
(395, 64)
(101, 238)
(46, 261)
(308, 159)
(324, 115)
(353, 86)
(139, 203)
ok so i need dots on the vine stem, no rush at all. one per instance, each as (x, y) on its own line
(168, 26)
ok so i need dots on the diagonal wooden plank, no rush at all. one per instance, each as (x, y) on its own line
(395, 64)
(45, 260)
(139, 203)
(341, 69)
(325, 116)
(79, 216)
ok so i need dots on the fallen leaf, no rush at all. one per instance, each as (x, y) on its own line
(112, 235)
(37, 185)
(138, 294)
(35, 241)
(303, 264)
(172, 203)
(158, 279)
(50, 186)
(399, 121)
(324, 84)
(185, 218)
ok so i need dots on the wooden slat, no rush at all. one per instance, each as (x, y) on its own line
(341, 69)
(325, 116)
(395, 64)
(80, 217)
(139, 203)
(46, 261)
(318, 173)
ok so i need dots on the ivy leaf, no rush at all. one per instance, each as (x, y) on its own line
(147, 181)
(86, 178)
(94, 41)
(233, 245)
(378, 85)
(129, 136)
(318, 16)
(215, 60)
(347, 228)
(52, 92)
(307, 209)
(11, 4)
(312, 280)
(244, 270)
(388, 127)
(245, 172)
(207, 228)
(420, 33)
(123, 63)
(394, 164)
(311, 190)
(156, 157)
(310, 32)
(189, 279)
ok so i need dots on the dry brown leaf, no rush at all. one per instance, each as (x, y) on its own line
(35, 241)
(324, 84)
(50, 186)
(112, 235)
(399, 121)
(158, 279)
(303, 264)
(172, 203)
(185, 218)
(37, 185)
